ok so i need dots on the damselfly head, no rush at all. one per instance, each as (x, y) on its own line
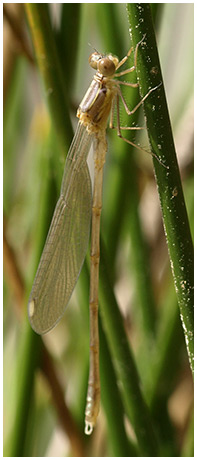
(106, 65)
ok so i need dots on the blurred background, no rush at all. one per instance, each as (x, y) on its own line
(45, 379)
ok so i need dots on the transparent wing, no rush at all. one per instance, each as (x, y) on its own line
(67, 240)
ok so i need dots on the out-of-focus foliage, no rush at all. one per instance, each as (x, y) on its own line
(140, 273)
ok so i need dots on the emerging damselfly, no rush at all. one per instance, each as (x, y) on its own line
(68, 236)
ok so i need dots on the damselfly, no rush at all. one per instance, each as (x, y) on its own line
(68, 236)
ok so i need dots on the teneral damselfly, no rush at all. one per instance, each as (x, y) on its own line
(68, 236)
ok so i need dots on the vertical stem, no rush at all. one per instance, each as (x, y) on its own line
(50, 68)
(172, 201)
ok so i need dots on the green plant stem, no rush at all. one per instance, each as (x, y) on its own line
(50, 68)
(188, 443)
(168, 180)
(29, 359)
(166, 359)
(112, 402)
(110, 28)
(126, 371)
(70, 27)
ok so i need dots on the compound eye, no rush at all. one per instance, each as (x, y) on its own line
(106, 67)
(94, 59)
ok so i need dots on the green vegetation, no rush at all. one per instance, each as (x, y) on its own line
(144, 361)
